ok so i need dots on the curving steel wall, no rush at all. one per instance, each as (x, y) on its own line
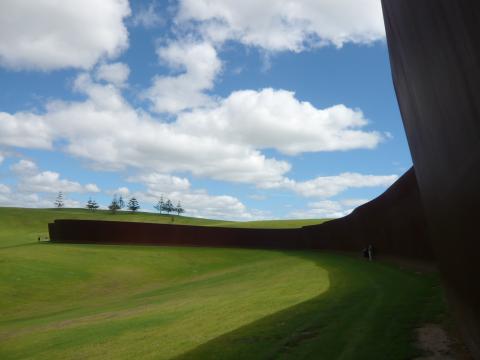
(393, 223)
(434, 48)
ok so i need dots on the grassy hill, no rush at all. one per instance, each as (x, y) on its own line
(65, 301)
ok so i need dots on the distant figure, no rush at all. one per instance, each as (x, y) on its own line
(365, 252)
(39, 239)
(370, 252)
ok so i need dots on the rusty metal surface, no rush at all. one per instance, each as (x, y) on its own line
(434, 50)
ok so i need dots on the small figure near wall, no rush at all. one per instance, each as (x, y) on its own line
(370, 252)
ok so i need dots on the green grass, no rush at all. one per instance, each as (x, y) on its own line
(273, 224)
(64, 301)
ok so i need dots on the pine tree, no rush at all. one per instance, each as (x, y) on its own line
(121, 203)
(95, 205)
(89, 204)
(179, 209)
(114, 205)
(92, 205)
(159, 206)
(168, 208)
(133, 205)
(59, 201)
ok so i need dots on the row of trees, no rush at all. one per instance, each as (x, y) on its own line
(162, 206)
(119, 204)
(167, 206)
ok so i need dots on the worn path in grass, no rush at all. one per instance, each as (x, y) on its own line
(63, 301)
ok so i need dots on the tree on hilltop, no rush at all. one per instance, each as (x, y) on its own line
(168, 208)
(114, 205)
(92, 205)
(133, 205)
(121, 203)
(59, 200)
(179, 209)
(159, 206)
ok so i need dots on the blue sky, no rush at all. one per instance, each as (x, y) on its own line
(240, 110)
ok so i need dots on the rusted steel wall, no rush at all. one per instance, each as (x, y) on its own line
(393, 223)
(434, 50)
(116, 232)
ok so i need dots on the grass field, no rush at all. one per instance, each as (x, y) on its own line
(63, 301)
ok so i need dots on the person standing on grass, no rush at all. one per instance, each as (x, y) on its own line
(365, 252)
(370, 252)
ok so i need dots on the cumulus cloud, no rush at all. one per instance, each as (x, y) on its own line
(147, 16)
(276, 119)
(291, 25)
(328, 186)
(33, 200)
(24, 167)
(116, 73)
(222, 142)
(35, 188)
(31, 180)
(4, 189)
(196, 202)
(198, 65)
(162, 182)
(49, 181)
(26, 130)
(328, 209)
(50, 34)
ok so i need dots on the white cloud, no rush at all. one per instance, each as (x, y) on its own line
(92, 188)
(49, 181)
(116, 73)
(107, 131)
(147, 17)
(25, 130)
(50, 34)
(276, 119)
(4, 189)
(35, 188)
(196, 202)
(24, 167)
(328, 209)
(2, 157)
(285, 25)
(31, 180)
(223, 142)
(327, 186)
(121, 191)
(23, 200)
(161, 182)
(33, 200)
(198, 64)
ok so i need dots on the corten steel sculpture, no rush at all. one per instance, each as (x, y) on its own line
(435, 58)
(434, 48)
(393, 223)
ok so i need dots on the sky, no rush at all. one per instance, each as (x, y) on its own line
(239, 110)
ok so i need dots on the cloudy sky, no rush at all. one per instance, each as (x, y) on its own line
(239, 109)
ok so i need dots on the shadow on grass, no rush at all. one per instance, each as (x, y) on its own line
(369, 312)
